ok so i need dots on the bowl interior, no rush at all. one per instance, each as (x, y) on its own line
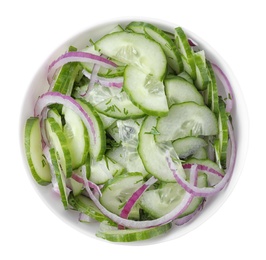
(240, 123)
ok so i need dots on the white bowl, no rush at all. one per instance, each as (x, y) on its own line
(240, 123)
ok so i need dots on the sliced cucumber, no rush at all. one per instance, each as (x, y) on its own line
(85, 205)
(97, 147)
(201, 154)
(100, 94)
(186, 119)
(158, 202)
(60, 177)
(188, 146)
(104, 170)
(53, 112)
(103, 72)
(186, 76)
(212, 100)
(106, 120)
(65, 79)
(112, 233)
(38, 165)
(128, 131)
(178, 90)
(59, 142)
(202, 77)
(119, 107)
(118, 190)
(186, 52)
(223, 133)
(74, 185)
(136, 50)
(145, 91)
(172, 54)
(117, 154)
(154, 157)
(77, 137)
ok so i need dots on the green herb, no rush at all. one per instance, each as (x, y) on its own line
(153, 131)
(125, 111)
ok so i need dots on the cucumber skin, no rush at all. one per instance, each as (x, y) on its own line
(102, 134)
(181, 36)
(56, 129)
(60, 178)
(129, 235)
(77, 202)
(140, 27)
(27, 143)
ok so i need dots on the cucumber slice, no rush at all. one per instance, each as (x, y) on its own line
(201, 154)
(59, 142)
(212, 98)
(38, 165)
(119, 107)
(103, 72)
(85, 205)
(118, 190)
(104, 170)
(117, 154)
(136, 50)
(188, 146)
(186, 52)
(99, 94)
(60, 177)
(172, 54)
(128, 131)
(96, 151)
(53, 112)
(186, 76)
(158, 202)
(202, 77)
(106, 120)
(223, 133)
(154, 157)
(186, 119)
(145, 91)
(178, 90)
(77, 137)
(75, 186)
(112, 233)
(66, 77)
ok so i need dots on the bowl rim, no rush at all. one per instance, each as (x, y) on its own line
(241, 122)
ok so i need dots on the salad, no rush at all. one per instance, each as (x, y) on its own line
(133, 132)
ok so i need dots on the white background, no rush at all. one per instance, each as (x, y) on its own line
(31, 30)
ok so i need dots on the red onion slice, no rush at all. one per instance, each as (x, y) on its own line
(192, 43)
(110, 82)
(78, 56)
(92, 185)
(50, 98)
(207, 191)
(135, 196)
(85, 218)
(93, 79)
(204, 168)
